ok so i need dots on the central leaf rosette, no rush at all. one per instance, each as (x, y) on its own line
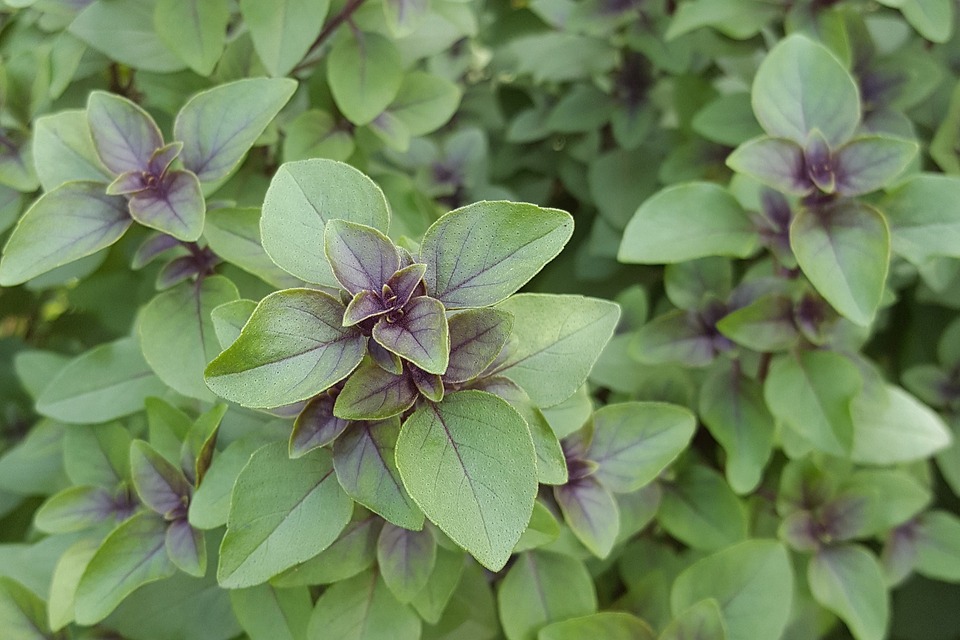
(423, 376)
(387, 297)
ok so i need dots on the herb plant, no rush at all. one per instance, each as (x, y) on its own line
(477, 320)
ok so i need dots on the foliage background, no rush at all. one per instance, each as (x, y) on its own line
(818, 495)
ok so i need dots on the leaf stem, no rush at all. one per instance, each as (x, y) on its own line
(328, 30)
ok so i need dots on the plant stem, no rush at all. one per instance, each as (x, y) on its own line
(328, 30)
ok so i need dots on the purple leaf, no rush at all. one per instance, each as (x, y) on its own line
(186, 548)
(361, 257)
(174, 205)
(163, 157)
(160, 485)
(176, 271)
(366, 304)
(152, 247)
(405, 559)
(429, 384)
(386, 360)
(374, 394)
(476, 338)
(819, 162)
(591, 512)
(124, 135)
(196, 453)
(420, 335)
(869, 163)
(127, 183)
(776, 162)
(316, 426)
(367, 470)
(402, 285)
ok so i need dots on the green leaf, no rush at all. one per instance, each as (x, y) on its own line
(66, 577)
(195, 30)
(559, 337)
(23, 615)
(365, 73)
(728, 119)
(868, 163)
(302, 197)
(752, 581)
(551, 464)
(131, 556)
(177, 333)
(123, 30)
(228, 320)
(210, 504)
(633, 442)
(739, 19)
(801, 86)
(811, 393)
(107, 382)
(293, 347)
(702, 621)
(97, 455)
(234, 235)
(898, 429)
(938, 546)
(701, 510)
(922, 222)
(218, 126)
(283, 31)
(362, 608)
(590, 511)
(405, 559)
(63, 150)
(676, 337)
(73, 221)
(351, 553)
(421, 336)
(479, 254)
(315, 134)
(766, 324)
(685, 222)
(450, 445)
(844, 250)
(365, 460)
(425, 102)
(609, 625)
(268, 613)
(35, 464)
(542, 588)
(202, 611)
(432, 600)
(282, 512)
(848, 580)
(733, 409)
(932, 18)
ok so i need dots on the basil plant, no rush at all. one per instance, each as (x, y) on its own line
(415, 374)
